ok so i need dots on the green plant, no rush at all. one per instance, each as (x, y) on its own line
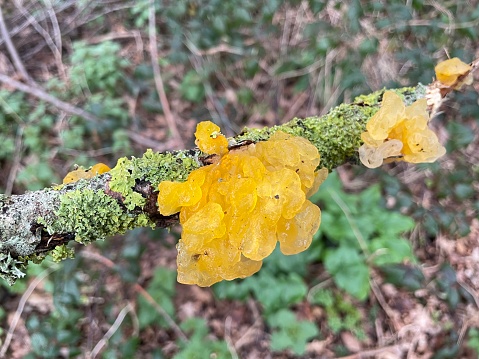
(473, 339)
(341, 313)
(290, 333)
(360, 234)
(96, 67)
(199, 345)
(162, 290)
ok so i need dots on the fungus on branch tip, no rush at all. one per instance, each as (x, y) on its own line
(450, 71)
(399, 132)
(234, 211)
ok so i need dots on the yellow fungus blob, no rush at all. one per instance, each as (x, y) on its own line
(448, 72)
(399, 132)
(209, 138)
(235, 211)
(80, 173)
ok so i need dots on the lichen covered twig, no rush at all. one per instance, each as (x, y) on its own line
(33, 224)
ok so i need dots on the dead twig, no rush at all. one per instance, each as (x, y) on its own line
(140, 290)
(54, 47)
(157, 76)
(252, 331)
(42, 95)
(112, 330)
(12, 50)
(150, 143)
(382, 302)
(372, 353)
(229, 342)
(40, 17)
(218, 113)
(16, 160)
(21, 306)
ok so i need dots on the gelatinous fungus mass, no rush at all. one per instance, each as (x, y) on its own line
(80, 173)
(449, 71)
(233, 212)
(399, 132)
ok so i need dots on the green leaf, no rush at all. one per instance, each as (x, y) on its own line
(390, 250)
(199, 345)
(162, 289)
(349, 271)
(459, 136)
(192, 88)
(292, 333)
(463, 191)
(279, 292)
(403, 275)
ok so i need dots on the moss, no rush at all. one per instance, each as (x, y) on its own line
(92, 215)
(152, 167)
(62, 252)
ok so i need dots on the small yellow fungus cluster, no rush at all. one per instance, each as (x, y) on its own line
(209, 138)
(78, 174)
(399, 132)
(449, 71)
(233, 212)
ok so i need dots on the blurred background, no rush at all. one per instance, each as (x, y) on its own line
(393, 270)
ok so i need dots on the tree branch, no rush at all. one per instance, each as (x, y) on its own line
(36, 223)
(42, 95)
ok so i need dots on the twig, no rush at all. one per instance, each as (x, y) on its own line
(11, 49)
(157, 76)
(218, 49)
(17, 29)
(55, 48)
(382, 302)
(56, 27)
(16, 160)
(251, 330)
(42, 95)
(218, 114)
(21, 306)
(317, 288)
(357, 233)
(374, 352)
(229, 342)
(112, 330)
(122, 35)
(470, 290)
(296, 106)
(150, 143)
(140, 290)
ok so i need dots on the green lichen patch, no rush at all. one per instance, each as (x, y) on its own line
(61, 253)
(152, 167)
(93, 215)
(123, 181)
(336, 135)
(11, 268)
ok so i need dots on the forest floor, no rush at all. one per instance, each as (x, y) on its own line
(111, 280)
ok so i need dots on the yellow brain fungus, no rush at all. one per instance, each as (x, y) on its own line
(78, 174)
(234, 211)
(399, 132)
(448, 72)
(209, 139)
